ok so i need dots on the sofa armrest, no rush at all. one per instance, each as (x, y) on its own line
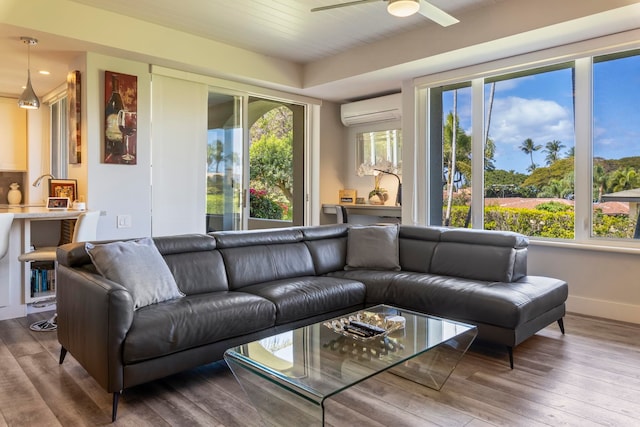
(94, 316)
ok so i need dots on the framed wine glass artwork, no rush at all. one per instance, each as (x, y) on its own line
(120, 118)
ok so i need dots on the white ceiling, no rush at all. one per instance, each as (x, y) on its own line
(284, 29)
(340, 54)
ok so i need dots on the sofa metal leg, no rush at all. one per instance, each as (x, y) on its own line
(63, 353)
(510, 350)
(561, 324)
(114, 410)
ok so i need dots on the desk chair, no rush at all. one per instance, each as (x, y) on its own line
(341, 214)
(5, 227)
(84, 231)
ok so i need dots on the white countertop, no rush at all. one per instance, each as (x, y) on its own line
(374, 210)
(39, 212)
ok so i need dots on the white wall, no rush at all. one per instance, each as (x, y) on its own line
(332, 163)
(115, 189)
(601, 283)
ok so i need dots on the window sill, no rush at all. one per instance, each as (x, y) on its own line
(619, 247)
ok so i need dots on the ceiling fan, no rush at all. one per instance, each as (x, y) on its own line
(403, 8)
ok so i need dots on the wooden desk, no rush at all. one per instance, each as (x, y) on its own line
(380, 211)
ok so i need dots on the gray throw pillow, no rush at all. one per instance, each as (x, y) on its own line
(373, 247)
(138, 266)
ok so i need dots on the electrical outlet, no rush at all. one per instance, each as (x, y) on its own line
(123, 221)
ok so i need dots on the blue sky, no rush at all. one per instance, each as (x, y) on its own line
(540, 107)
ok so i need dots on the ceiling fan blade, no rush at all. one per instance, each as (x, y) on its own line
(435, 14)
(349, 3)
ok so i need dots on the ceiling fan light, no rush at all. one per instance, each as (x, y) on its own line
(403, 8)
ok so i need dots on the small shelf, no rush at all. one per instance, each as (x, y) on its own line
(42, 282)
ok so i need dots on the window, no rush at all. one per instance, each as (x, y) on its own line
(616, 145)
(529, 186)
(451, 127)
(528, 145)
(59, 138)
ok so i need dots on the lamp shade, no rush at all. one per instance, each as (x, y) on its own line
(29, 99)
(403, 8)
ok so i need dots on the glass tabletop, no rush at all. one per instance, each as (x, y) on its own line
(316, 362)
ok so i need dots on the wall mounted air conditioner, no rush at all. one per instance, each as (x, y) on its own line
(372, 110)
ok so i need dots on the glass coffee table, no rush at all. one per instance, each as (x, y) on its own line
(289, 376)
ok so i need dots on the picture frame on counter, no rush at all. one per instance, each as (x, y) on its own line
(347, 197)
(63, 188)
(58, 203)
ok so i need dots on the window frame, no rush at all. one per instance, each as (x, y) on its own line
(582, 55)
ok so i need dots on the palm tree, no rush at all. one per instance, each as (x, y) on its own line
(489, 145)
(452, 164)
(600, 178)
(623, 179)
(552, 148)
(528, 147)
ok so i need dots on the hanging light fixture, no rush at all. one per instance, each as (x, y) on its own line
(28, 99)
(403, 8)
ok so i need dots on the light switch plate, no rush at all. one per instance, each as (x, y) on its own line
(123, 221)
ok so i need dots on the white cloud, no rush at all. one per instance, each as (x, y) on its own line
(515, 119)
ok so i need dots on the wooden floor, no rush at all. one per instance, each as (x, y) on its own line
(590, 376)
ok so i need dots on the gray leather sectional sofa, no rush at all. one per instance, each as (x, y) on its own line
(242, 286)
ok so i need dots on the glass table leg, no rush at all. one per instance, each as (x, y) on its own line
(276, 404)
(433, 367)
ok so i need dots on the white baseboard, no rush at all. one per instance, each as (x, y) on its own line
(602, 308)
(13, 312)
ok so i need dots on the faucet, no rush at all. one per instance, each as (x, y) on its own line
(39, 179)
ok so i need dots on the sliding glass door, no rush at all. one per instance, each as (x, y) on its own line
(225, 153)
(255, 163)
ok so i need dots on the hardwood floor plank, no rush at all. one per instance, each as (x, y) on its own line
(20, 401)
(590, 376)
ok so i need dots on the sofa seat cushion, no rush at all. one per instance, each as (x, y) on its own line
(378, 283)
(193, 321)
(495, 303)
(308, 296)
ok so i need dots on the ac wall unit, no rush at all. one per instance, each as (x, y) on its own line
(372, 110)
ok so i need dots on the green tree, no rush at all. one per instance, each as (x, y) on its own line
(529, 147)
(462, 151)
(559, 187)
(543, 175)
(623, 179)
(600, 179)
(552, 148)
(271, 160)
(277, 122)
(215, 154)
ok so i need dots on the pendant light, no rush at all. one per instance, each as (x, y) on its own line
(403, 8)
(28, 99)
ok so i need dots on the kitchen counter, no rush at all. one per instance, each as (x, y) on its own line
(39, 212)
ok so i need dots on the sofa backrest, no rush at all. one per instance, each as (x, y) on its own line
(328, 246)
(193, 260)
(195, 263)
(417, 245)
(495, 256)
(262, 256)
